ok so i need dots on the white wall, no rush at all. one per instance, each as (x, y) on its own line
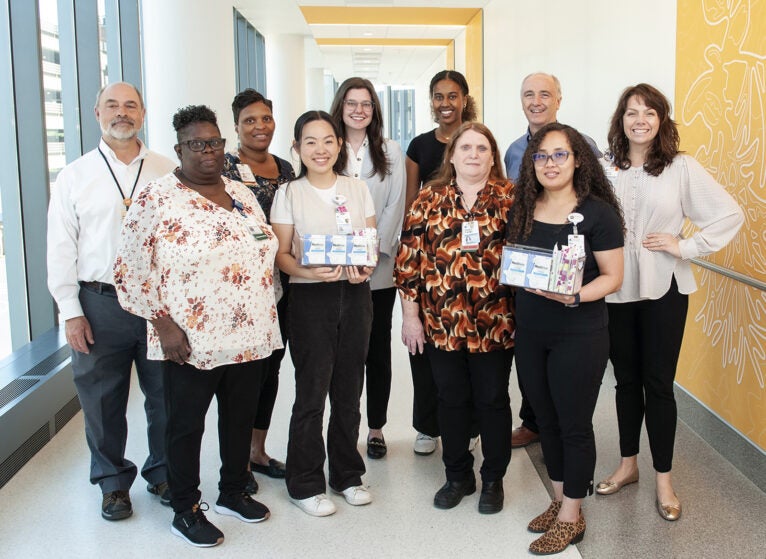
(188, 60)
(595, 47)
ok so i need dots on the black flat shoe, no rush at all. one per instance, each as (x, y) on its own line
(491, 499)
(275, 469)
(453, 492)
(376, 448)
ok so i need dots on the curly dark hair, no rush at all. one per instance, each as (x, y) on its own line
(192, 114)
(311, 116)
(446, 172)
(380, 164)
(246, 98)
(665, 145)
(469, 111)
(589, 180)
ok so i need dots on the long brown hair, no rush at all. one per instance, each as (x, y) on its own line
(446, 172)
(589, 180)
(665, 145)
(380, 164)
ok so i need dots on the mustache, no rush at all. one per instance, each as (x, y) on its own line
(121, 121)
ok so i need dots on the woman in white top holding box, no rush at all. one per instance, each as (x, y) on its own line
(331, 309)
(659, 188)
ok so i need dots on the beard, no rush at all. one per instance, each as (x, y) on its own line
(120, 133)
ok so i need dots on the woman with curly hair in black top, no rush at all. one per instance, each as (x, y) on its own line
(562, 341)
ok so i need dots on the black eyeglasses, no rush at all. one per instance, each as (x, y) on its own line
(199, 145)
(558, 157)
(366, 105)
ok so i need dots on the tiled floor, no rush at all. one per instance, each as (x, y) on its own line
(50, 510)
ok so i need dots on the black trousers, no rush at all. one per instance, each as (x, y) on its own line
(378, 370)
(473, 386)
(562, 374)
(645, 343)
(188, 393)
(102, 379)
(526, 413)
(270, 388)
(424, 400)
(329, 333)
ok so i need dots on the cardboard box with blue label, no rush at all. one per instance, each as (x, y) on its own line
(559, 270)
(358, 249)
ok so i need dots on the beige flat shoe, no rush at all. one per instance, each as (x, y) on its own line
(608, 486)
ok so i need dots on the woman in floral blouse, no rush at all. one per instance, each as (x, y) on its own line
(448, 271)
(197, 261)
(262, 172)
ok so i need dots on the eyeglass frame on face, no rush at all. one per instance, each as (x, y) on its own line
(353, 105)
(540, 159)
(204, 143)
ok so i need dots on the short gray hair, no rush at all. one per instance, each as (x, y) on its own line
(551, 76)
(101, 92)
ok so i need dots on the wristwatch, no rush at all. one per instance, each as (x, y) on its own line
(576, 302)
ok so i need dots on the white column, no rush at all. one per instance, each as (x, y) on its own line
(285, 86)
(188, 48)
(315, 90)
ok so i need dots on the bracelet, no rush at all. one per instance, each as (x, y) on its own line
(576, 302)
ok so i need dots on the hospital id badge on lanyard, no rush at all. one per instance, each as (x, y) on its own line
(255, 231)
(469, 240)
(342, 215)
(574, 239)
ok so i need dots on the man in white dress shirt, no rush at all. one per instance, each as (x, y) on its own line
(87, 205)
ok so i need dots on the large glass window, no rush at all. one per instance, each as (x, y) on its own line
(54, 114)
(250, 55)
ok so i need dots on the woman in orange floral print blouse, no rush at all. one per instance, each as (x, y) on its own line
(197, 261)
(448, 271)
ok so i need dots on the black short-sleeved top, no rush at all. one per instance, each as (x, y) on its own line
(427, 152)
(602, 230)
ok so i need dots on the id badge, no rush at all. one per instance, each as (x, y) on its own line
(469, 240)
(343, 220)
(257, 232)
(577, 241)
(245, 173)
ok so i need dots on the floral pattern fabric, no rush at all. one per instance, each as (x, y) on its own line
(185, 257)
(463, 305)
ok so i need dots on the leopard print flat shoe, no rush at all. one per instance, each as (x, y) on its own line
(542, 522)
(558, 537)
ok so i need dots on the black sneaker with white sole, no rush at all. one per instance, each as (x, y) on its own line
(116, 505)
(242, 506)
(195, 528)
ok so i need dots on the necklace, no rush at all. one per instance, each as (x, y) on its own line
(126, 200)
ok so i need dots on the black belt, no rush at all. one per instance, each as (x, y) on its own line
(99, 287)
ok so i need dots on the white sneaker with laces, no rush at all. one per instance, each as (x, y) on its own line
(473, 443)
(318, 505)
(424, 445)
(357, 495)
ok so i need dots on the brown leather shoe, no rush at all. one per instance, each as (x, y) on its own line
(521, 436)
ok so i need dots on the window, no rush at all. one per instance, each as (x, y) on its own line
(250, 55)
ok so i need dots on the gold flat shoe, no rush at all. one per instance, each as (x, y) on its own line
(669, 512)
(608, 486)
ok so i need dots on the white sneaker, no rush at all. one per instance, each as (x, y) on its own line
(357, 495)
(472, 443)
(424, 445)
(318, 505)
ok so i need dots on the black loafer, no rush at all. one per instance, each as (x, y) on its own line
(275, 469)
(376, 448)
(453, 492)
(491, 499)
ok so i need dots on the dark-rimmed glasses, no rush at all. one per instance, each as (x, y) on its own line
(199, 145)
(540, 159)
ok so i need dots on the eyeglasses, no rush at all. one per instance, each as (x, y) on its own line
(366, 105)
(558, 157)
(199, 145)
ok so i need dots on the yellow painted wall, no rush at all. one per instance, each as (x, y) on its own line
(474, 63)
(720, 107)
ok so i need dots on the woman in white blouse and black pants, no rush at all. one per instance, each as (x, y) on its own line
(659, 188)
